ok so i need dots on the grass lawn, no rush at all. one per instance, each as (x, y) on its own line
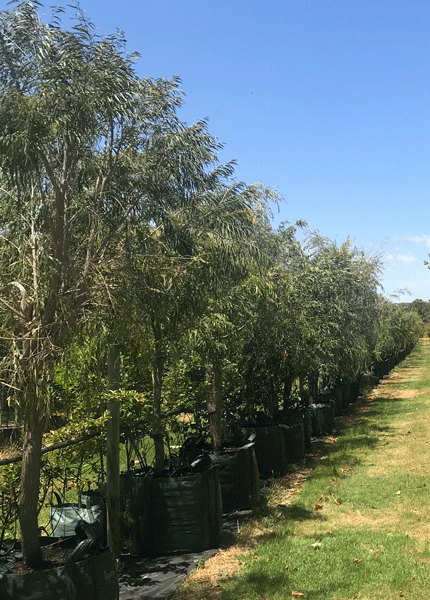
(355, 522)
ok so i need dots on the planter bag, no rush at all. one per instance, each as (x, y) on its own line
(185, 514)
(317, 411)
(239, 478)
(338, 400)
(270, 450)
(93, 578)
(323, 418)
(355, 390)
(307, 425)
(346, 394)
(63, 517)
(294, 440)
(330, 412)
(135, 500)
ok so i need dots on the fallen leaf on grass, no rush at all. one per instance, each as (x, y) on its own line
(318, 506)
(336, 501)
(401, 594)
(296, 593)
(287, 567)
(358, 560)
(316, 545)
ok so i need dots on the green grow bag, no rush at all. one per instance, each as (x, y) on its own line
(135, 500)
(323, 417)
(307, 424)
(294, 440)
(269, 449)
(239, 478)
(185, 514)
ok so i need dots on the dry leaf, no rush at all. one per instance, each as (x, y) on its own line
(287, 567)
(316, 545)
(296, 593)
(336, 501)
(358, 560)
(401, 594)
(318, 506)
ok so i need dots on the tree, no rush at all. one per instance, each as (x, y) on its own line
(76, 124)
(190, 256)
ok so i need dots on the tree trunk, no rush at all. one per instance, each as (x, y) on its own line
(288, 386)
(214, 402)
(250, 391)
(112, 458)
(313, 386)
(273, 403)
(157, 384)
(30, 477)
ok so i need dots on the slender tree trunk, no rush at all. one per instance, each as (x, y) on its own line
(273, 404)
(112, 458)
(157, 385)
(30, 478)
(313, 386)
(288, 386)
(214, 402)
(250, 391)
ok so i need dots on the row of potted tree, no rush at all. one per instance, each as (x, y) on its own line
(123, 237)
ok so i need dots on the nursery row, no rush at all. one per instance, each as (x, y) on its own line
(140, 280)
(181, 509)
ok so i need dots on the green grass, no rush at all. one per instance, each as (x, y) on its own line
(338, 564)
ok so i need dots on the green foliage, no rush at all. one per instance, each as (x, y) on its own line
(397, 328)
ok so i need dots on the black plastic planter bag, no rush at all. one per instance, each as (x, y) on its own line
(63, 517)
(317, 419)
(93, 578)
(239, 478)
(330, 413)
(185, 513)
(323, 418)
(307, 425)
(355, 390)
(338, 400)
(135, 493)
(294, 439)
(270, 450)
(346, 394)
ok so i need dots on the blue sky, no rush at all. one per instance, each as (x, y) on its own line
(326, 101)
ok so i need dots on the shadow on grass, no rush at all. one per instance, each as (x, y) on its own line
(262, 585)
